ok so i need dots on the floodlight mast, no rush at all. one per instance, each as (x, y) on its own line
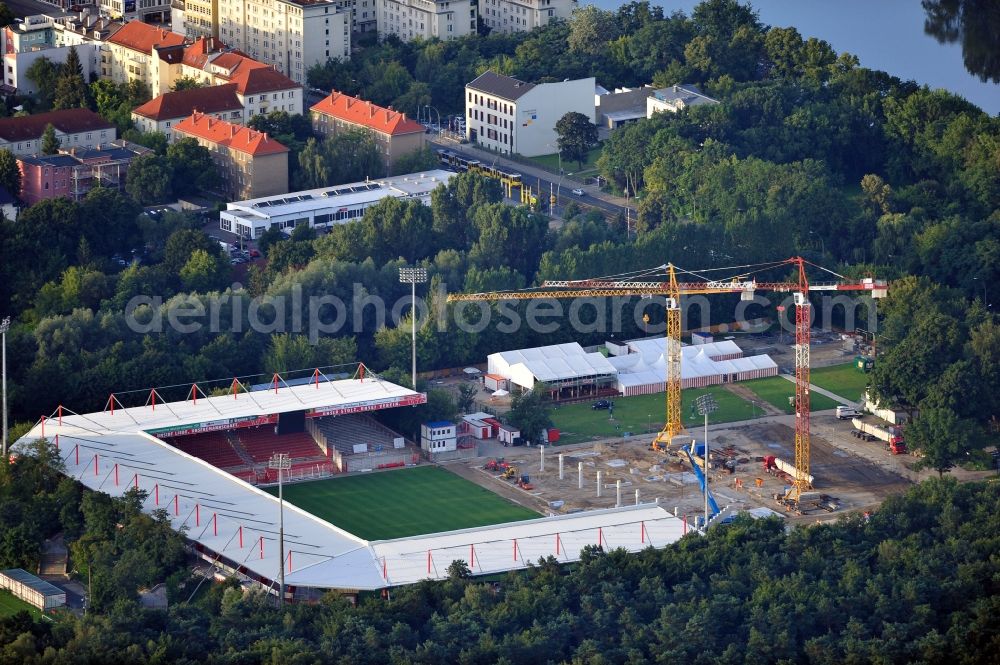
(706, 404)
(281, 462)
(413, 276)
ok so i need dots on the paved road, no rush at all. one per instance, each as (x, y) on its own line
(30, 7)
(541, 180)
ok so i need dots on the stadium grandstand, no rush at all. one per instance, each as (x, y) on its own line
(198, 458)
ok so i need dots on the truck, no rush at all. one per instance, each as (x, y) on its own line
(890, 435)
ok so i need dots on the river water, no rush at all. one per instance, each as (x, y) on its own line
(884, 34)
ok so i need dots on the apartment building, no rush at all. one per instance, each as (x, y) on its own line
(362, 14)
(410, 19)
(74, 172)
(144, 53)
(148, 11)
(237, 88)
(33, 37)
(291, 35)
(162, 113)
(511, 116)
(395, 134)
(75, 128)
(200, 19)
(523, 15)
(251, 163)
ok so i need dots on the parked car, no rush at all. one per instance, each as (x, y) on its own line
(578, 191)
(846, 412)
(601, 404)
(254, 254)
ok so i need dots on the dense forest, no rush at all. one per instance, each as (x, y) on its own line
(916, 581)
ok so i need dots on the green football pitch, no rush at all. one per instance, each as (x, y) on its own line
(405, 502)
(9, 605)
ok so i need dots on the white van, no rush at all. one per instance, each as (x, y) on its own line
(847, 412)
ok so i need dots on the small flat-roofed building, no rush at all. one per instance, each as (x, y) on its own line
(438, 437)
(326, 206)
(676, 98)
(32, 589)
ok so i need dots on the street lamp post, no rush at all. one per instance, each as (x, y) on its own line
(706, 404)
(4, 327)
(413, 276)
(281, 462)
(431, 108)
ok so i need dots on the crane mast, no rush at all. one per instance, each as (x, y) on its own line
(672, 290)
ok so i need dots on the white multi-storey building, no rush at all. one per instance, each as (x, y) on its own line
(362, 14)
(511, 116)
(410, 19)
(523, 15)
(291, 35)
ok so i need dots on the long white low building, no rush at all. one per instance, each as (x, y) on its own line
(326, 206)
(636, 367)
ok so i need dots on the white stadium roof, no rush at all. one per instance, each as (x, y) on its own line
(112, 452)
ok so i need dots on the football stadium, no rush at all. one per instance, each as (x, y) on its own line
(363, 511)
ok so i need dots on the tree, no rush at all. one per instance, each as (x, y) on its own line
(182, 244)
(155, 141)
(466, 397)
(187, 83)
(6, 15)
(529, 412)
(192, 166)
(590, 29)
(71, 88)
(422, 159)
(577, 135)
(10, 174)
(204, 271)
(942, 437)
(115, 101)
(148, 180)
(45, 75)
(50, 142)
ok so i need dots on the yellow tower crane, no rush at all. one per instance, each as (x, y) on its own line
(668, 287)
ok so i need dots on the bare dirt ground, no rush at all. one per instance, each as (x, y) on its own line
(856, 481)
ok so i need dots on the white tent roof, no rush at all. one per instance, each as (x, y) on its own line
(657, 345)
(649, 365)
(557, 362)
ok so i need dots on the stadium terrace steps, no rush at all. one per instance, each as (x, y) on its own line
(344, 432)
(213, 447)
(234, 441)
(262, 443)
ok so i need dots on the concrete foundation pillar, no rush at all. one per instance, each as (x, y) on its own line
(560, 466)
(579, 471)
(618, 493)
(600, 483)
(541, 457)
(637, 497)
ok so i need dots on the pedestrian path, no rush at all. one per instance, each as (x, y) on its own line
(814, 388)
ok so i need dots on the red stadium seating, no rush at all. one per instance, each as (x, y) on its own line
(263, 442)
(213, 447)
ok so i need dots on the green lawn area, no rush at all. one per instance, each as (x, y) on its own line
(844, 380)
(551, 162)
(406, 502)
(643, 415)
(776, 390)
(9, 605)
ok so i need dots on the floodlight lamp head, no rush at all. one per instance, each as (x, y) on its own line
(5, 324)
(413, 275)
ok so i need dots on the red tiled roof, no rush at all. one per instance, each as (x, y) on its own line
(180, 104)
(359, 112)
(140, 36)
(196, 55)
(68, 121)
(251, 76)
(235, 137)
